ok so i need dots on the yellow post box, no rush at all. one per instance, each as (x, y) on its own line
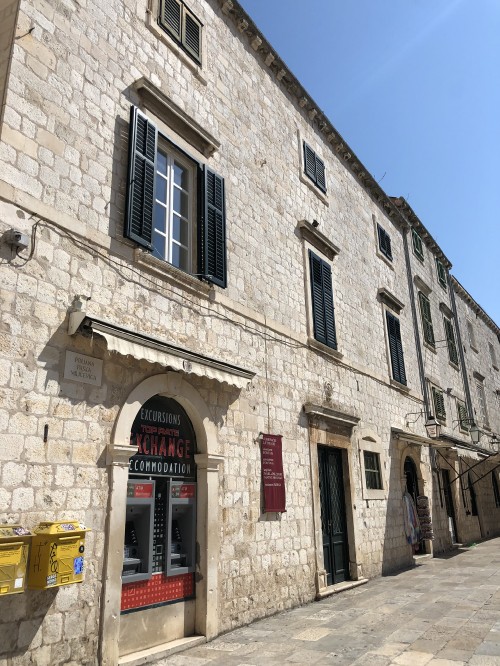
(14, 551)
(57, 554)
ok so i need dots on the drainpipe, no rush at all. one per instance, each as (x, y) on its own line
(420, 359)
(465, 378)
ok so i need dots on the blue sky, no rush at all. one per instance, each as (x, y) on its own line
(414, 87)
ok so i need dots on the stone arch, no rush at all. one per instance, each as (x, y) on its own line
(171, 385)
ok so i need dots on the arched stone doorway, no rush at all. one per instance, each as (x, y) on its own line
(204, 618)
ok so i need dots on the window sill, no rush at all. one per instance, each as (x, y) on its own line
(475, 349)
(430, 347)
(314, 188)
(454, 366)
(324, 349)
(169, 273)
(374, 494)
(382, 256)
(495, 367)
(400, 387)
(421, 259)
(165, 39)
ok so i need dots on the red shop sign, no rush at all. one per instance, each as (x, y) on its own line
(272, 474)
(140, 490)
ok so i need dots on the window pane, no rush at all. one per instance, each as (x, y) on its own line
(180, 230)
(162, 163)
(159, 220)
(158, 245)
(372, 470)
(181, 202)
(180, 257)
(181, 176)
(161, 188)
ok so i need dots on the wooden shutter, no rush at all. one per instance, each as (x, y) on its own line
(309, 162)
(171, 17)
(191, 34)
(450, 338)
(384, 242)
(396, 348)
(213, 230)
(425, 311)
(320, 174)
(417, 245)
(441, 272)
(439, 407)
(141, 179)
(322, 301)
(463, 416)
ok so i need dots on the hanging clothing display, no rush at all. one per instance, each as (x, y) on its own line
(424, 517)
(411, 522)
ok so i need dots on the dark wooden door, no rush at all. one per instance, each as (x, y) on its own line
(448, 500)
(333, 515)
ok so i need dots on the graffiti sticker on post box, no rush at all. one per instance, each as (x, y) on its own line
(78, 565)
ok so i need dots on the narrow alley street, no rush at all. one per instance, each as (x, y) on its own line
(444, 612)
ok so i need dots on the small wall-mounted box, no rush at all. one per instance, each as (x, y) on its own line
(14, 552)
(57, 554)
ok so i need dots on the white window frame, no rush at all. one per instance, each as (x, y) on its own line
(174, 156)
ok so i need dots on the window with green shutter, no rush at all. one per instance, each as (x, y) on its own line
(463, 417)
(314, 167)
(439, 406)
(418, 247)
(441, 273)
(322, 301)
(425, 312)
(175, 206)
(450, 339)
(181, 24)
(384, 242)
(396, 348)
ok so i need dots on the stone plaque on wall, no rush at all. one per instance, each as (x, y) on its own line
(84, 369)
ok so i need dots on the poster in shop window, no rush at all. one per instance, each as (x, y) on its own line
(165, 441)
(272, 474)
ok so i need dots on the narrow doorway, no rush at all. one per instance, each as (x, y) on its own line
(448, 500)
(333, 515)
(411, 479)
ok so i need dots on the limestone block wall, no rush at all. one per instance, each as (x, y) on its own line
(482, 359)
(63, 163)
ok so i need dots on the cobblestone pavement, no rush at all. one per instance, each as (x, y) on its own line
(444, 612)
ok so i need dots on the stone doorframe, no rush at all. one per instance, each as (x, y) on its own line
(329, 427)
(171, 385)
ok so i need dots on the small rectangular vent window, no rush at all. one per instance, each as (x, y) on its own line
(372, 471)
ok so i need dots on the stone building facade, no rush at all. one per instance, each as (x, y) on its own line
(201, 257)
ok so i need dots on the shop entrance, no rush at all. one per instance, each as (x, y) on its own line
(333, 515)
(158, 580)
(450, 509)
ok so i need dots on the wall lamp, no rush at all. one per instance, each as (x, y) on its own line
(432, 425)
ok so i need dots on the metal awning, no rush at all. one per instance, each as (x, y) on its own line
(143, 347)
(412, 438)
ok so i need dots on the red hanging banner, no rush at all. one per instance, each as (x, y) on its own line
(272, 474)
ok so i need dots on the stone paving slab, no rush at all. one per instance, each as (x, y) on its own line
(444, 612)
